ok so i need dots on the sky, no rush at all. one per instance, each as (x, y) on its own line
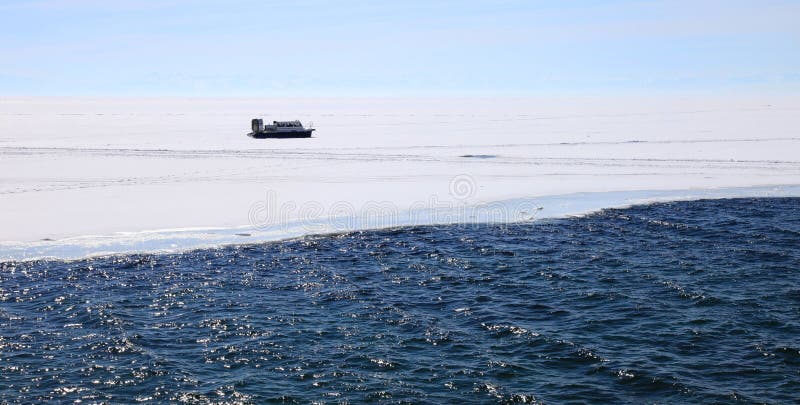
(404, 48)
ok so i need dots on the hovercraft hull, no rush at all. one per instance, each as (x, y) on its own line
(281, 134)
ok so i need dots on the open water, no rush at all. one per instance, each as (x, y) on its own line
(678, 302)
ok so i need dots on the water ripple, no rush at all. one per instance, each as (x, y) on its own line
(673, 302)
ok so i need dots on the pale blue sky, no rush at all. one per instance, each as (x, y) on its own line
(316, 48)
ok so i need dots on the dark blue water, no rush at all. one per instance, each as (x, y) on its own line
(680, 302)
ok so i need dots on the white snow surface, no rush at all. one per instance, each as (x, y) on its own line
(82, 176)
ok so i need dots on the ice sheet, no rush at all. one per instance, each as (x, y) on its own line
(95, 176)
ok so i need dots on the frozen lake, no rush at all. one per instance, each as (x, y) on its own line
(165, 174)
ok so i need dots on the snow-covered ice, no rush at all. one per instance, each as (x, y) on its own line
(85, 176)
